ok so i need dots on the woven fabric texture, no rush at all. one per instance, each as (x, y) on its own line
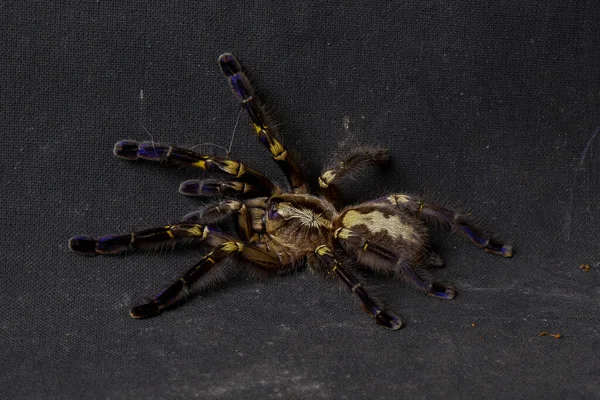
(490, 107)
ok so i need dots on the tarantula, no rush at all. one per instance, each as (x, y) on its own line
(272, 229)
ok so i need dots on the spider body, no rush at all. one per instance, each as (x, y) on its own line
(273, 230)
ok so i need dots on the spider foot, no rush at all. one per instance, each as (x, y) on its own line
(441, 291)
(132, 150)
(127, 149)
(147, 310)
(83, 245)
(388, 320)
(498, 249)
(110, 244)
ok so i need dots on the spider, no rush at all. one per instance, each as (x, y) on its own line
(273, 229)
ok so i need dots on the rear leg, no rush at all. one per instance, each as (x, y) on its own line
(381, 258)
(459, 222)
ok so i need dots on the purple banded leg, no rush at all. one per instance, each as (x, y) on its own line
(355, 243)
(173, 293)
(238, 81)
(208, 188)
(434, 289)
(114, 244)
(132, 150)
(459, 222)
(368, 304)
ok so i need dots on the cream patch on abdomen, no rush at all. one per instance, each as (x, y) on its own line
(378, 222)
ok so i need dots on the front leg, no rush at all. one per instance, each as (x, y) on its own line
(172, 294)
(132, 150)
(115, 244)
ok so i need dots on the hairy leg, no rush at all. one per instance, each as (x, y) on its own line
(381, 316)
(263, 128)
(115, 244)
(173, 293)
(132, 150)
(459, 222)
(351, 163)
(380, 256)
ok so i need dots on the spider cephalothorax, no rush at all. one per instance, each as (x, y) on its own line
(272, 229)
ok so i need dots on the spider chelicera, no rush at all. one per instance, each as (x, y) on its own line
(271, 229)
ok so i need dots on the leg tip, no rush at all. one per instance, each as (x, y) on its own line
(190, 188)
(388, 320)
(507, 251)
(499, 249)
(442, 292)
(127, 149)
(83, 245)
(229, 65)
(145, 311)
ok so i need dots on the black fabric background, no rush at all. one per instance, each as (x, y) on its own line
(494, 107)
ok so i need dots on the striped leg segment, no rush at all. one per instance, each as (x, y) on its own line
(206, 188)
(459, 222)
(172, 294)
(115, 244)
(368, 304)
(132, 150)
(353, 162)
(262, 127)
(358, 244)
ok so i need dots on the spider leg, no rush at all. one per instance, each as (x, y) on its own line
(115, 244)
(353, 162)
(249, 215)
(211, 187)
(172, 294)
(381, 316)
(378, 253)
(263, 127)
(132, 150)
(459, 222)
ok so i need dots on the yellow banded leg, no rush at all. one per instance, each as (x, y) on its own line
(172, 294)
(114, 244)
(356, 244)
(263, 128)
(368, 304)
(132, 150)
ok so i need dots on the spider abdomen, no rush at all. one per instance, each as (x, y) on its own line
(400, 236)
